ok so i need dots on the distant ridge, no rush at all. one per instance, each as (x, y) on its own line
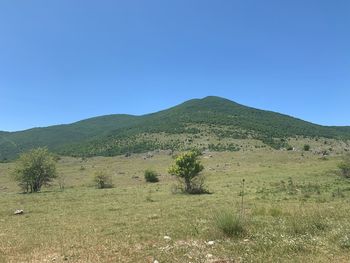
(208, 118)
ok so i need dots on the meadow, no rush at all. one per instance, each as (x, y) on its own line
(295, 209)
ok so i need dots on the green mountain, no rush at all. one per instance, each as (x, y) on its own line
(211, 122)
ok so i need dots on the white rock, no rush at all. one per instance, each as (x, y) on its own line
(155, 261)
(167, 238)
(210, 243)
(209, 256)
(19, 212)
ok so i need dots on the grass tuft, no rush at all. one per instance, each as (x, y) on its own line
(230, 224)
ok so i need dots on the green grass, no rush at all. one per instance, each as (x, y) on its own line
(300, 219)
(231, 224)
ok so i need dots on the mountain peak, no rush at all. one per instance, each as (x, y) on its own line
(207, 119)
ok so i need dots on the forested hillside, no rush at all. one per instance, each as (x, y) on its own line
(195, 123)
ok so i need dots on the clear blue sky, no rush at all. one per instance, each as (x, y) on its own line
(66, 60)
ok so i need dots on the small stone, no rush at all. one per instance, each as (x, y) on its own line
(209, 256)
(18, 212)
(246, 240)
(155, 261)
(167, 238)
(210, 243)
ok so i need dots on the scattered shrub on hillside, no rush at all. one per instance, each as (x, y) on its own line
(344, 166)
(306, 147)
(274, 143)
(103, 180)
(223, 147)
(151, 176)
(230, 224)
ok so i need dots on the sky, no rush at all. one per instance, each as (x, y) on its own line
(66, 60)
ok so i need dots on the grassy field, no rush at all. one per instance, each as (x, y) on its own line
(296, 209)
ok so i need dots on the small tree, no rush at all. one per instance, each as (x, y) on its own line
(35, 169)
(102, 180)
(344, 166)
(187, 168)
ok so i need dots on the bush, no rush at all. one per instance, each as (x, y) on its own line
(35, 169)
(187, 168)
(306, 147)
(230, 224)
(151, 176)
(344, 166)
(102, 180)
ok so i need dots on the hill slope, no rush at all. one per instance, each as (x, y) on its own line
(197, 119)
(12, 143)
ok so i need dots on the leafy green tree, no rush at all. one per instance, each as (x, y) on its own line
(35, 169)
(187, 168)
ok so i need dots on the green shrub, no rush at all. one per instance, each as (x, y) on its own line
(151, 176)
(103, 180)
(34, 169)
(306, 147)
(187, 169)
(230, 224)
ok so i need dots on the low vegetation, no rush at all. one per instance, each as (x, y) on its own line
(306, 147)
(344, 166)
(102, 180)
(231, 224)
(291, 207)
(151, 176)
